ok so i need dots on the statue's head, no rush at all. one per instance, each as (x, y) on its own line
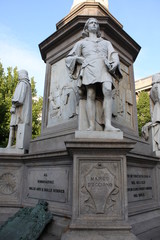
(85, 32)
(156, 78)
(23, 74)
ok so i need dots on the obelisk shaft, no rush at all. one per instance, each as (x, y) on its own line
(78, 2)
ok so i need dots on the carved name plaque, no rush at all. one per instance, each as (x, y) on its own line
(99, 188)
(100, 183)
(139, 184)
(48, 184)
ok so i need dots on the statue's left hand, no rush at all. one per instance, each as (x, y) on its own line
(80, 60)
(113, 67)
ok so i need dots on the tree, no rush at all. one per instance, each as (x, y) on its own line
(36, 116)
(8, 83)
(37, 103)
(143, 110)
(7, 86)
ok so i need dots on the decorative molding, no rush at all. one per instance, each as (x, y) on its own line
(7, 183)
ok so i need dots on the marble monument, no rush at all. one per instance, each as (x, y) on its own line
(98, 185)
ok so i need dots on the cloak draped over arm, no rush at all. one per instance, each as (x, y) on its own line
(19, 94)
(71, 61)
(114, 58)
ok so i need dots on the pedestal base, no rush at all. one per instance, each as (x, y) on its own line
(100, 206)
(118, 135)
(98, 235)
(12, 150)
(157, 153)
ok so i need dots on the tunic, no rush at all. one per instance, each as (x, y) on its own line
(98, 54)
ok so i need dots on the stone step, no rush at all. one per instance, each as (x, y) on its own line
(47, 236)
(153, 234)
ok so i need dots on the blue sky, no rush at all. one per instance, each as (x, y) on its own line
(25, 24)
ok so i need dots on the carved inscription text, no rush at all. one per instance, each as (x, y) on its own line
(139, 184)
(48, 184)
(99, 190)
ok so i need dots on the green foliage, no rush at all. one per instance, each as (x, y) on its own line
(36, 116)
(33, 87)
(143, 110)
(37, 103)
(8, 83)
(7, 86)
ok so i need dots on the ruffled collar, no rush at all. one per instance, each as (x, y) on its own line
(94, 40)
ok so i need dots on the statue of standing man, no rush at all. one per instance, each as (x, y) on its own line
(21, 114)
(154, 125)
(93, 61)
(155, 98)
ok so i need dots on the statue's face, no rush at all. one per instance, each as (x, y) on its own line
(93, 25)
(22, 74)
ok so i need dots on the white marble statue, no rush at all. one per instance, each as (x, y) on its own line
(155, 98)
(21, 114)
(155, 111)
(77, 2)
(93, 61)
(152, 129)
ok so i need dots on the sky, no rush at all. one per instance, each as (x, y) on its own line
(25, 24)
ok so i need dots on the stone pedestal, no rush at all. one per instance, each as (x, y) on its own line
(23, 137)
(12, 150)
(155, 136)
(100, 206)
(99, 235)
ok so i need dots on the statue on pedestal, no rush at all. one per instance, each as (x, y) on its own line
(155, 98)
(21, 114)
(154, 125)
(155, 110)
(93, 62)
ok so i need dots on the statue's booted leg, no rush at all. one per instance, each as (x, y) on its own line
(91, 107)
(107, 106)
(11, 137)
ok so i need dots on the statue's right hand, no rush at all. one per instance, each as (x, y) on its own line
(13, 109)
(80, 60)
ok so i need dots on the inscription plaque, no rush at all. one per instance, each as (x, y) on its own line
(139, 184)
(99, 192)
(99, 183)
(48, 184)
